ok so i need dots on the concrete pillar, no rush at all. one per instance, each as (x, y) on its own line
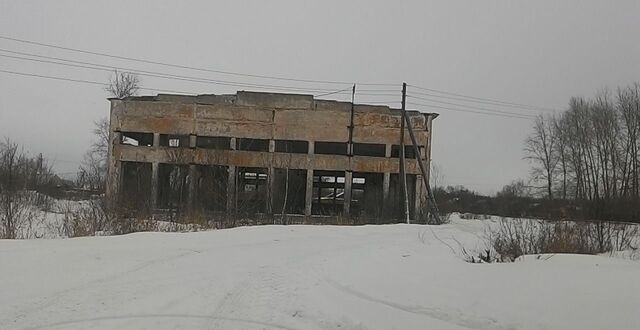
(348, 180)
(308, 197)
(156, 139)
(192, 141)
(193, 173)
(231, 183)
(231, 190)
(114, 166)
(270, 179)
(155, 168)
(420, 193)
(386, 179)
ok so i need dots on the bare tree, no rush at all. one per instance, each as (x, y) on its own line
(437, 176)
(562, 150)
(15, 204)
(123, 84)
(629, 112)
(515, 189)
(540, 148)
(93, 168)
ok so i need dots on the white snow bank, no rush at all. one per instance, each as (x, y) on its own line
(307, 277)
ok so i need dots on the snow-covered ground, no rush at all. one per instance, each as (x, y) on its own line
(307, 277)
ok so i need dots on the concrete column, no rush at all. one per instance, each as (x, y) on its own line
(427, 157)
(113, 170)
(308, 197)
(155, 168)
(386, 179)
(231, 190)
(348, 180)
(420, 193)
(270, 179)
(193, 173)
(231, 183)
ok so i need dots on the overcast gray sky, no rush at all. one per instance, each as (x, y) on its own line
(530, 52)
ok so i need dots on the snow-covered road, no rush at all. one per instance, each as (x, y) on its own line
(306, 277)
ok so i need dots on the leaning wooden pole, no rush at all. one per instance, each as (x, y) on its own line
(433, 207)
(403, 170)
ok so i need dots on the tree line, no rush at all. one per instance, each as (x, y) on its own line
(588, 155)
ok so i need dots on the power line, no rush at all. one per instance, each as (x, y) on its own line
(381, 102)
(179, 92)
(378, 94)
(471, 107)
(187, 67)
(335, 92)
(240, 84)
(528, 108)
(85, 81)
(105, 85)
(187, 93)
(237, 84)
(108, 68)
(381, 90)
(375, 92)
(470, 111)
(482, 99)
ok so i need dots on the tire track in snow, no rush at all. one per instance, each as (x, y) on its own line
(272, 289)
(449, 315)
(263, 291)
(54, 299)
(156, 316)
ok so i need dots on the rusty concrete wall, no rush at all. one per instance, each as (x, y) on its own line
(250, 115)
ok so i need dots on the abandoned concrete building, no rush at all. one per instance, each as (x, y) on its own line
(260, 156)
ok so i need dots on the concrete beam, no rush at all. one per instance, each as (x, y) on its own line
(263, 123)
(265, 159)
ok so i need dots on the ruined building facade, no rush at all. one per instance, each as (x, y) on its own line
(264, 156)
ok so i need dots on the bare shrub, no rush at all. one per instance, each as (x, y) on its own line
(74, 224)
(102, 216)
(512, 238)
(443, 219)
(129, 217)
(198, 219)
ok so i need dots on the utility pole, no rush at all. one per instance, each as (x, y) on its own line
(433, 207)
(350, 144)
(403, 174)
(348, 174)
